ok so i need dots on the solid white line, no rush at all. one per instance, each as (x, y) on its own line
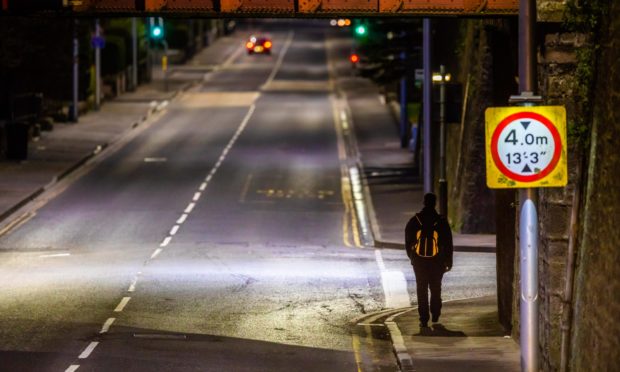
(394, 285)
(288, 43)
(106, 325)
(156, 253)
(166, 241)
(122, 304)
(89, 349)
(174, 229)
(395, 290)
(55, 255)
(72, 368)
(203, 186)
(379, 258)
(189, 208)
(182, 218)
(196, 196)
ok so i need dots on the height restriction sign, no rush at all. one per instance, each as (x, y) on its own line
(526, 147)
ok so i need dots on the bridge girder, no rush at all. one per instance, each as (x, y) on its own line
(266, 8)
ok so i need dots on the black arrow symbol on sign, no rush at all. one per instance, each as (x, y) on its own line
(525, 124)
(526, 169)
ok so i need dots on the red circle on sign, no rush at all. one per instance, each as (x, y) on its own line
(556, 153)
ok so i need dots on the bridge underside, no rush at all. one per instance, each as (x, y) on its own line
(266, 8)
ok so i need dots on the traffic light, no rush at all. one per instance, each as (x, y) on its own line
(361, 30)
(157, 29)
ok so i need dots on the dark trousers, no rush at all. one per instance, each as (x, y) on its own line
(428, 275)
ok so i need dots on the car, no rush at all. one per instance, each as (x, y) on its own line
(259, 45)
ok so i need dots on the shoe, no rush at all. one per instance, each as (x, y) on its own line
(423, 324)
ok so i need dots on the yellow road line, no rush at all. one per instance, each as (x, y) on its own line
(347, 193)
(355, 340)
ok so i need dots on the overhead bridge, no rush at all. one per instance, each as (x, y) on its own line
(265, 8)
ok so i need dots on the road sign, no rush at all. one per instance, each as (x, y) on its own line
(526, 147)
(97, 42)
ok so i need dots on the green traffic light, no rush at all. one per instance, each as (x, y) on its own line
(360, 30)
(157, 32)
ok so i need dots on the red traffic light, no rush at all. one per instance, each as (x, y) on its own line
(354, 58)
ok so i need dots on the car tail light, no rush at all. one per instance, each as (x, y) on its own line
(268, 44)
(249, 45)
(354, 58)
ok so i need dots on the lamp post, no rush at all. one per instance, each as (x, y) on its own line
(443, 182)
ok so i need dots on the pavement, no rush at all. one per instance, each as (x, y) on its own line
(470, 337)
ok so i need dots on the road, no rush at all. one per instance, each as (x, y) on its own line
(217, 238)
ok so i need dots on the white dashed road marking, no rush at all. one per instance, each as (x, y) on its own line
(182, 218)
(174, 229)
(55, 255)
(72, 368)
(122, 304)
(166, 241)
(89, 349)
(106, 325)
(156, 253)
(189, 208)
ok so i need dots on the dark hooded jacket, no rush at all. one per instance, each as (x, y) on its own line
(429, 216)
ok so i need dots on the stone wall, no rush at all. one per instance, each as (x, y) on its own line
(558, 82)
(492, 45)
(569, 75)
(596, 321)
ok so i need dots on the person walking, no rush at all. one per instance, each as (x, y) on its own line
(428, 242)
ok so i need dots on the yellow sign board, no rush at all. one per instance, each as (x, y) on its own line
(526, 147)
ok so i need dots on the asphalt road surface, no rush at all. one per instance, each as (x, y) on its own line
(216, 239)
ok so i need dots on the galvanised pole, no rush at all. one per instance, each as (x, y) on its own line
(426, 110)
(528, 221)
(443, 181)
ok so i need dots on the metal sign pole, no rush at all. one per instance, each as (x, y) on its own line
(97, 67)
(443, 181)
(134, 53)
(76, 73)
(528, 221)
(426, 100)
